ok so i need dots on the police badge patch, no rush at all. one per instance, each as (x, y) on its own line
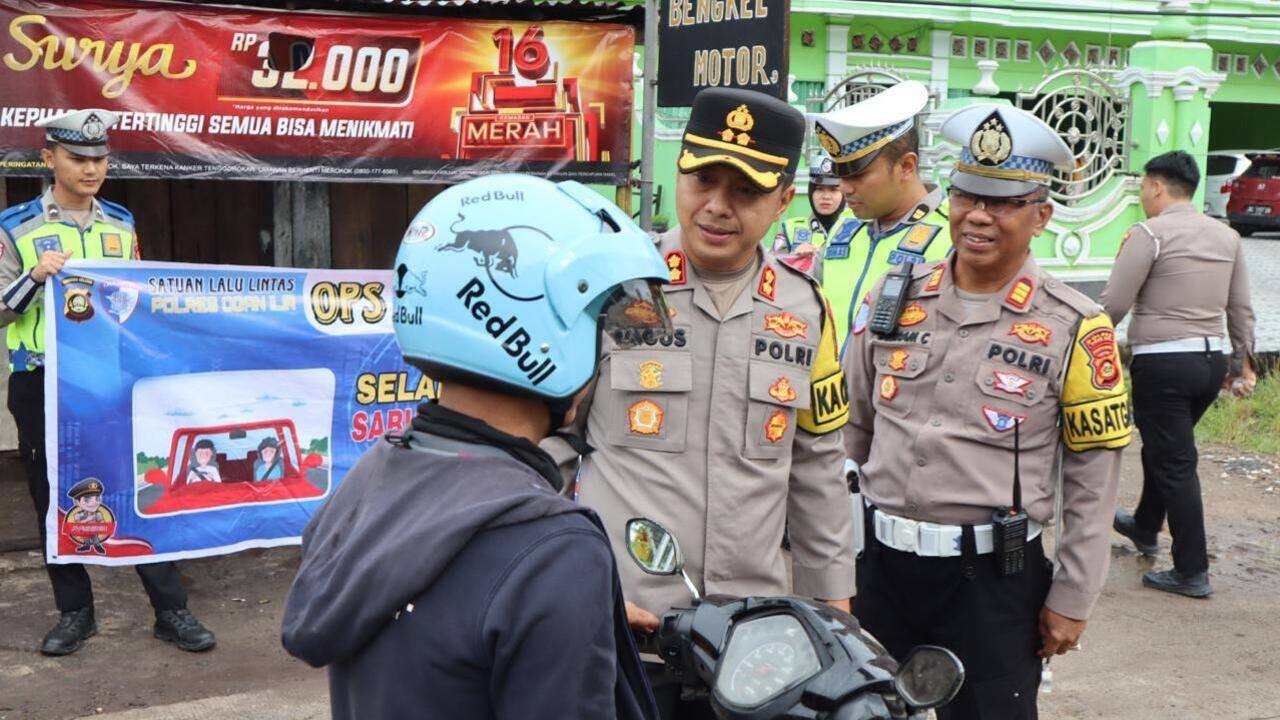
(121, 300)
(991, 143)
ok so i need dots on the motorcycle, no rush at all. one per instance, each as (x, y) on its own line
(785, 658)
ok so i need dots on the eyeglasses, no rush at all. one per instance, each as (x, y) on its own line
(963, 202)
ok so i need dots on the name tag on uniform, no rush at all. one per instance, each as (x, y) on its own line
(838, 252)
(48, 243)
(111, 245)
(897, 257)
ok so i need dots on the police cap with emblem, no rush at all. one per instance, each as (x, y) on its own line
(1004, 151)
(83, 132)
(854, 136)
(87, 486)
(758, 134)
(822, 174)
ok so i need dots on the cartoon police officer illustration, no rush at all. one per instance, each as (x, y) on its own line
(87, 496)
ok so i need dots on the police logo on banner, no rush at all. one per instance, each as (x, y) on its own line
(121, 299)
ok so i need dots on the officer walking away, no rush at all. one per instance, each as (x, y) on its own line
(875, 148)
(1178, 272)
(447, 577)
(39, 237)
(801, 238)
(956, 385)
(730, 425)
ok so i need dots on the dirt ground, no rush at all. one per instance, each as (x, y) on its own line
(1146, 654)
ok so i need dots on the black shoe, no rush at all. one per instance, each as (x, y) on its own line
(181, 628)
(1128, 527)
(1195, 585)
(69, 634)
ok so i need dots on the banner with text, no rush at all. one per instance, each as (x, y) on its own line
(275, 95)
(722, 43)
(198, 410)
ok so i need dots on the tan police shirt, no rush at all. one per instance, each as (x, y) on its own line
(932, 410)
(1180, 272)
(720, 433)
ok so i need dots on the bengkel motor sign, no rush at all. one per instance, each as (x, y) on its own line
(258, 94)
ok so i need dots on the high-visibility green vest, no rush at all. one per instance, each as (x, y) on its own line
(37, 226)
(851, 267)
(799, 230)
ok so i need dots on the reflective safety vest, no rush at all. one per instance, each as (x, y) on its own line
(35, 227)
(852, 266)
(799, 230)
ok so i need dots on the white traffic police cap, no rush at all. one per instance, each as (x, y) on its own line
(855, 135)
(83, 132)
(1004, 151)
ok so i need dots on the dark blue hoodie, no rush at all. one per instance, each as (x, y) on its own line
(447, 579)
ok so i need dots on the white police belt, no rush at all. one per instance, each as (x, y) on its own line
(1191, 344)
(928, 539)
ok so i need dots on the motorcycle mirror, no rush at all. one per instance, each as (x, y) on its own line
(930, 677)
(653, 547)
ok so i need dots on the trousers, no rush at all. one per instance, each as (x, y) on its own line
(72, 589)
(1171, 391)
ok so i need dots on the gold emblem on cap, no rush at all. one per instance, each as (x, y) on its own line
(741, 121)
(991, 143)
(827, 142)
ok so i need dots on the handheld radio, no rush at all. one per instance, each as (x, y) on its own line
(884, 316)
(1009, 524)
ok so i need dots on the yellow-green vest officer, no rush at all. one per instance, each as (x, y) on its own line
(36, 239)
(803, 236)
(875, 150)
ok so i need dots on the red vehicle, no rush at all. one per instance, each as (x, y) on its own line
(233, 473)
(1255, 196)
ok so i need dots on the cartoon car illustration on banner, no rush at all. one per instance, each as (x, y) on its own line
(229, 465)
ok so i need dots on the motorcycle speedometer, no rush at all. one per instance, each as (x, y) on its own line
(765, 657)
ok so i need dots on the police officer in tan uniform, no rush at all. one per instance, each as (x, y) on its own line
(725, 428)
(962, 394)
(1179, 272)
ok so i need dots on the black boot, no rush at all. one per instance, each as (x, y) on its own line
(1128, 527)
(181, 628)
(69, 634)
(1194, 585)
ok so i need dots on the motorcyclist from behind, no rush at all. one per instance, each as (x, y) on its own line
(446, 577)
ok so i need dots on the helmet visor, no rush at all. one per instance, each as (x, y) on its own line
(636, 313)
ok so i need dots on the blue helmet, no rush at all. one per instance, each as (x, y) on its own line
(506, 282)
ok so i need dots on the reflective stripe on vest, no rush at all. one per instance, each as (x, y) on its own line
(103, 240)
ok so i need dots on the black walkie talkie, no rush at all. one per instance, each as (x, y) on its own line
(1009, 524)
(884, 316)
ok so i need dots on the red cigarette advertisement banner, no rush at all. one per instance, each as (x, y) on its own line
(216, 92)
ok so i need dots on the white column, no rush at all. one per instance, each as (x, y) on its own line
(837, 54)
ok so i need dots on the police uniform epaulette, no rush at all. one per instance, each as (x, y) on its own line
(115, 210)
(20, 213)
(918, 237)
(1076, 300)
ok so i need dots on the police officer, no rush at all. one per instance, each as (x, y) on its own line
(724, 428)
(876, 152)
(39, 236)
(446, 578)
(1179, 272)
(954, 412)
(803, 237)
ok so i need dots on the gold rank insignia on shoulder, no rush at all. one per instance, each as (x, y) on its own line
(935, 278)
(1019, 296)
(676, 267)
(768, 283)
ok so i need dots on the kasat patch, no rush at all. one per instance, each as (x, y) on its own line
(768, 283)
(651, 375)
(782, 391)
(676, 268)
(1100, 345)
(786, 325)
(1031, 332)
(645, 418)
(912, 314)
(776, 426)
(898, 359)
(888, 388)
(1010, 382)
(1001, 421)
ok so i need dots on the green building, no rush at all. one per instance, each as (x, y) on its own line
(1121, 80)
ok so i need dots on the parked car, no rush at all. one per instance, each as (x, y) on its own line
(1220, 169)
(1255, 196)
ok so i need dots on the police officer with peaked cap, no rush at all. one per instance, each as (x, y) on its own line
(1180, 272)
(805, 237)
(875, 149)
(963, 394)
(725, 428)
(36, 239)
